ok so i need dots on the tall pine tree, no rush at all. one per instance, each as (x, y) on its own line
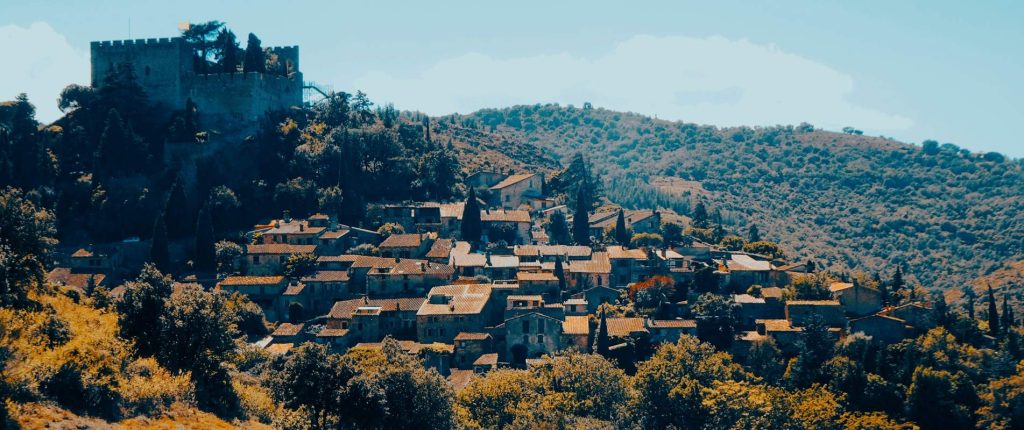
(1008, 320)
(176, 213)
(205, 256)
(472, 227)
(993, 314)
(255, 59)
(159, 253)
(581, 219)
(560, 274)
(621, 234)
(755, 234)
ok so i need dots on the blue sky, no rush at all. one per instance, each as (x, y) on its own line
(912, 70)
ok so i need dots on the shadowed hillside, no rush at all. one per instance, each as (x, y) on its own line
(854, 202)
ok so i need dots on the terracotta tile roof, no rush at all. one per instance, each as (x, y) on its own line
(344, 309)
(345, 258)
(608, 219)
(252, 280)
(622, 327)
(501, 215)
(64, 276)
(332, 332)
(812, 303)
(279, 248)
(294, 289)
(280, 348)
(334, 234)
(466, 299)
(406, 240)
(328, 276)
(771, 293)
(288, 329)
(672, 323)
(319, 216)
(472, 336)
(742, 262)
(575, 325)
(452, 210)
(81, 253)
(480, 260)
(512, 180)
(590, 266)
(441, 249)
(371, 262)
(411, 267)
(487, 360)
(776, 325)
(460, 378)
(747, 298)
(617, 252)
(536, 276)
(552, 250)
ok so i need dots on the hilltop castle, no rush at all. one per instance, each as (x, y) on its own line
(166, 69)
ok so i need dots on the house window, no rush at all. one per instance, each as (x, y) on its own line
(255, 259)
(526, 326)
(540, 338)
(526, 339)
(540, 326)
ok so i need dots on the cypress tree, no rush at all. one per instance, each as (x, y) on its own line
(159, 253)
(255, 59)
(228, 51)
(700, 216)
(898, 282)
(176, 214)
(969, 292)
(205, 256)
(560, 274)
(1007, 314)
(602, 341)
(621, 234)
(581, 220)
(112, 147)
(993, 314)
(755, 234)
(471, 225)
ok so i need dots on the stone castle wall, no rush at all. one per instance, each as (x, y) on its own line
(226, 101)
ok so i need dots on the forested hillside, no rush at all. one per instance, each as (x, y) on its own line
(850, 201)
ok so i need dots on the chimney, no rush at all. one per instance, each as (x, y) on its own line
(287, 215)
(488, 255)
(302, 227)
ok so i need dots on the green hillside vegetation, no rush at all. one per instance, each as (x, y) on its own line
(850, 201)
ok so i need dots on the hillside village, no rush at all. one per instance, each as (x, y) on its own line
(205, 239)
(512, 296)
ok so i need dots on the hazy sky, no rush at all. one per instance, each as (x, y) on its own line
(947, 70)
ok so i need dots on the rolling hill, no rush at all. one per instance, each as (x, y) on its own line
(849, 201)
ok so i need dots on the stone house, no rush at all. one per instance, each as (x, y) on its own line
(596, 296)
(576, 332)
(469, 346)
(550, 253)
(516, 190)
(325, 287)
(531, 335)
(408, 277)
(269, 258)
(799, 312)
(370, 320)
(516, 222)
(451, 309)
(262, 290)
(857, 299)
(881, 328)
(643, 221)
(406, 245)
(596, 272)
(628, 265)
(545, 283)
(669, 331)
(918, 316)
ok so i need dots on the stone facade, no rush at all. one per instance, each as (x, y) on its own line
(166, 71)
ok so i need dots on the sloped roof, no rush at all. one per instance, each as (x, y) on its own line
(288, 329)
(441, 248)
(279, 248)
(552, 250)
(622, 327)
(590, 266)
(576, 325)
(81, 253)
(501, 215)
(777, 325)
(512, 180)
(463, 335)
(64, 276)
(343, 309)
(743, 262)
(327, 276)
(536, 276)
(252, 280)
(465, 299)
(681, 324)
(616, 252)
(405, 240)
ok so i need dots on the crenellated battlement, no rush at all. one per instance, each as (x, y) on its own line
(152, 42)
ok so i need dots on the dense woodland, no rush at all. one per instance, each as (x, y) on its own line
(850, 201)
